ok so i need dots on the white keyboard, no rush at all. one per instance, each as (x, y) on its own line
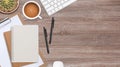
(53, 6)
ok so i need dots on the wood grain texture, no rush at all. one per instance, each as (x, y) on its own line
(86, 33)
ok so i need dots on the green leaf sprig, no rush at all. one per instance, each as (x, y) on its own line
(7, 4)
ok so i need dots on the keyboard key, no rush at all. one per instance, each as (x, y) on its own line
(45, 2)
(58, 0)
(42, 0)
(60, 7)
(68, 3)
(62, 1)
(47, 6)
(56, 9)
(50, 8)
(52, 3)
(53, 11)
(58, 3)
(55, 1)
(49, 13)
(66, 0)
(49, 0)
(55, 5)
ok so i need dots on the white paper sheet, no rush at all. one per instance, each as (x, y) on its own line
(4, 56)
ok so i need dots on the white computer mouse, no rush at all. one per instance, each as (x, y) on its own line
(58, 64)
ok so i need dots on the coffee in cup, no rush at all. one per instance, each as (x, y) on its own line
(31, 10)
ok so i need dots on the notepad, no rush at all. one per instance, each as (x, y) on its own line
(24, 43)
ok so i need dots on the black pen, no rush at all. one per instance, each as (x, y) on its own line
(45, 34)
(3, 23)
(3, 20)
(51, 30)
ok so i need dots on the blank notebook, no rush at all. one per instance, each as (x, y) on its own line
(24, 43)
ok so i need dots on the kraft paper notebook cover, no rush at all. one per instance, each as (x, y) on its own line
(8, 41)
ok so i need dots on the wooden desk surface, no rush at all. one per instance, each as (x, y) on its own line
(86, 33)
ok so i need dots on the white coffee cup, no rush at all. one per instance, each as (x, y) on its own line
(31, 18)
